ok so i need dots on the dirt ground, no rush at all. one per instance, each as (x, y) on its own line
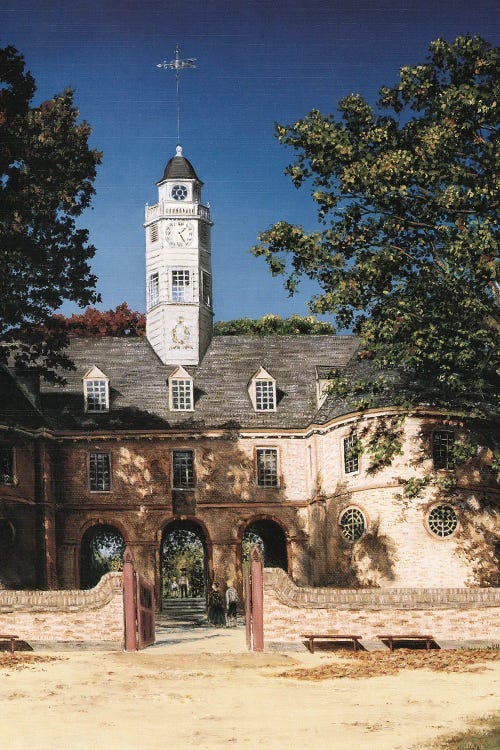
(201, 688)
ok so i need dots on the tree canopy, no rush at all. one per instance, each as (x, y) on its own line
(46, 182)
(92, 322)
(407, 199)
(273, 325)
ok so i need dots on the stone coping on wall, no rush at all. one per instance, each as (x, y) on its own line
(63, 600)
(288, 593)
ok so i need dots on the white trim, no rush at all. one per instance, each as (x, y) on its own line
(182, 375)
(95, 375)
(263, 376)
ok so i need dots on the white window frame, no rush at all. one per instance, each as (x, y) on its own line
(259, 451)
(174, 295)
(352, 435)
(261, 377)
(95, 375)
(153, 289)
(181, 376)
(191, 484)
(110, 468)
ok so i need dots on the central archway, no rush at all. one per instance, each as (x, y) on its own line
(184, 562)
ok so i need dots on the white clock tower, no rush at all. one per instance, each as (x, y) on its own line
(178, 267)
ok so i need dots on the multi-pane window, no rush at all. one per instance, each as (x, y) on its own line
(442, 520)
(351, 453)
(267, 467)
(6, 465)
(352, 524)
(100, 472)
(183, 470)
(154, 289)
(96, 395)
(442, 449)
(181, 394)
(206, 288)
(265, 395)
(181, 286)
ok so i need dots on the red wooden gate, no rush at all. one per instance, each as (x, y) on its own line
(138, 606)
(254, 602)
(145, 612)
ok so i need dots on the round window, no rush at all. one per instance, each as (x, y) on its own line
(179, 192)
(443, 520)
(352, 524)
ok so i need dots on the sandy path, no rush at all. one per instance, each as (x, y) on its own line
(202, 689)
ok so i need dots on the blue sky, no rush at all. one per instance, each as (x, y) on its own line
(258, 63)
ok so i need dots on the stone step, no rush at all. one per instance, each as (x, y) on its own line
(190, 611)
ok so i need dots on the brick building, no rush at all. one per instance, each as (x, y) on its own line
(224, 435)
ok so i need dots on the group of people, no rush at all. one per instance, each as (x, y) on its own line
(222, 609)
(180, 587)
(222, 612)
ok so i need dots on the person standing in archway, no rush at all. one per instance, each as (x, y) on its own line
(183, 585)
(216, 614)
(231, 605)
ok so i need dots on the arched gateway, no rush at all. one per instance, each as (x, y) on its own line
(184, 563)
(270, 536)
(101, 551)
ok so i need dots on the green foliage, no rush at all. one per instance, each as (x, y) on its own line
(46, 175)
(485, 735)
(495, 462)
(102, 552)
(355, 450)
(182, 551)
(273, 325)
(385, 442)
(407, 198)
(250, 539)
(414, 487)
(462, 451)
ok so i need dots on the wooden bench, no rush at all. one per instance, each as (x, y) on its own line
(311, 637)
(412, 637)
(12, 638)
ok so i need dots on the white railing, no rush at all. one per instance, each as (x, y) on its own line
(160, 210)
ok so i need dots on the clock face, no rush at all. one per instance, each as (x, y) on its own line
(179, 192)
(180, 233)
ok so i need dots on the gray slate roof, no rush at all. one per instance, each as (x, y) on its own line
(179, 168)
(138, 383)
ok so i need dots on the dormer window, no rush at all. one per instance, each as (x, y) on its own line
(324, 377)
(262, 391)
(96, 391)
(180, 386)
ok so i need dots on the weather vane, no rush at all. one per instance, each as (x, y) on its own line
(178, 65)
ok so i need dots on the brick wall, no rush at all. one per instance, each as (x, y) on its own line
(67, 616)
(448, 614)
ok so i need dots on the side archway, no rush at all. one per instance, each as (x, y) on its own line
(270, 535)
(101, 552)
